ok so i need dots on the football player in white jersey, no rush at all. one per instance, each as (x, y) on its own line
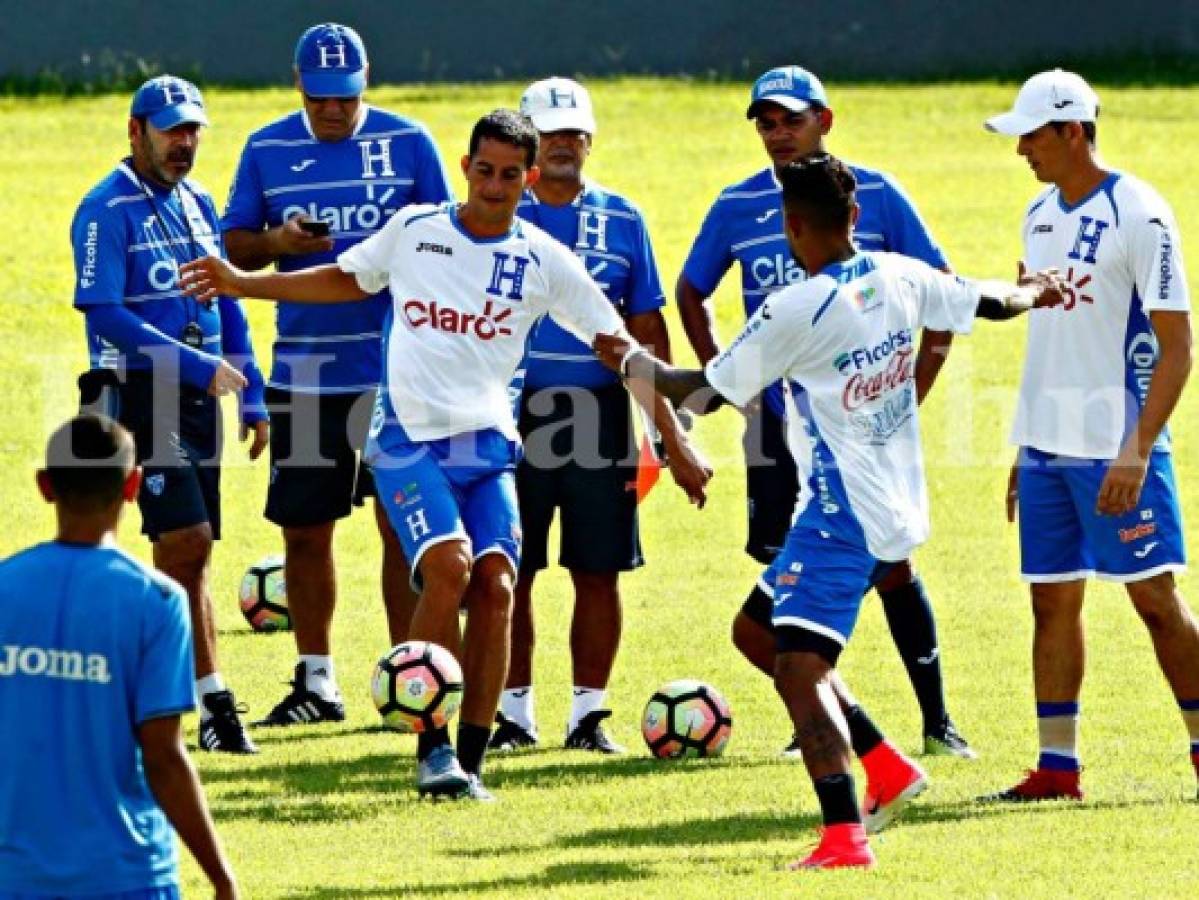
(847, 336)
(1093, 479)
(468, 282)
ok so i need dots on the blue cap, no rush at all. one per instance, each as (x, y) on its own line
(331, 60)
(791, 87)
(167, 101)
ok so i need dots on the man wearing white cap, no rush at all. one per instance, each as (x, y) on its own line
(310, 186)
(160, 360)
(791, 111)
(1093, 479)
(587, 469)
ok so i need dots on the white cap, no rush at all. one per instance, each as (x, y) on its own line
(1054, 96)
(558, 104)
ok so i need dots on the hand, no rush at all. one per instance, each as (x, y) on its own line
(1010, 498)
(289, 239)
(262, 434)
(612, 349)
(690, 471)
(207, 278)
(1046, 286)
(1121, 489)
(226, 380)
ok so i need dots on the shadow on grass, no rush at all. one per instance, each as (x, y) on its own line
(555, 876)
(308, 790)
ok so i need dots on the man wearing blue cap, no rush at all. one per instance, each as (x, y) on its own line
(310, 186)
(160, 360)
(790, 108)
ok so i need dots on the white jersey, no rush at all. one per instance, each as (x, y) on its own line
(848, 337)
(462, 308)
(1089, 362)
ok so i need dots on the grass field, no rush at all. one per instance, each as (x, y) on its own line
(330, 811)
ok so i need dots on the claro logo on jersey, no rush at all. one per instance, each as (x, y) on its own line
(486, 327)
(380, 205)
(87, 277)
(775, 271)
(1142, 358)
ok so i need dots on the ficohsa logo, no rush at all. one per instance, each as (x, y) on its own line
(863, 357)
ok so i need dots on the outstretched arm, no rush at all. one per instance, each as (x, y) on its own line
(208, 278)
(1003, 300)
(684, 388)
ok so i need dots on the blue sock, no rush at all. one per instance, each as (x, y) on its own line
(1057, 728)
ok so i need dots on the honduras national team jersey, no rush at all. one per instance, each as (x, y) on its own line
(1089, 361)
(463, 308)
(848, 337)
(355, 185)
(745, 226)
(129, 236)
(609, 235)
(92, 644)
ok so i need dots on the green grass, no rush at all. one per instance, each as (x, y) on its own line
(330, 812)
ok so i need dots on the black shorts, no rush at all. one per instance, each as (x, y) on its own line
(771, 485)
(177, 432)
(588, 470)
(317, 474)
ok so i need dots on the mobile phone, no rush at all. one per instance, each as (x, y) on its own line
(315, 227)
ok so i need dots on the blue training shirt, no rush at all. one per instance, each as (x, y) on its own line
(745, 226)
(608, 233)
(129, 236)
(355, 185)
(92, 644)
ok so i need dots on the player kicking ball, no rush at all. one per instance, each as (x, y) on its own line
(845, 342)
(468, 282)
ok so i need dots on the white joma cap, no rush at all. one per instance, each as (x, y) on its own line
(1055, 96)
(558, 104)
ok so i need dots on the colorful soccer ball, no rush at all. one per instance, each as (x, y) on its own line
(417, 687)
(263, 595)
(686, 718)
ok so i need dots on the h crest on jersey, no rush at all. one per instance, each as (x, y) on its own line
(1090, 233)
(381, 155)
(510, 270)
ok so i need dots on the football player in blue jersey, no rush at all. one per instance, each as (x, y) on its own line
(309, 186)
(95, 671)
(468, 281)
(580, 456)
(791, 112)
(160, 360)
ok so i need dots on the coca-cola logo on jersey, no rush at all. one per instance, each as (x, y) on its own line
(863, 388)
(486, 326)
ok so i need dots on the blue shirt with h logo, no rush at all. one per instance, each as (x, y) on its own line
(608, 234)
(356, 185)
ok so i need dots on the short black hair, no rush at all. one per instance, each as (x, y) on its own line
(820, 188)
(509, 126)
(88, 459)
(1088, 129)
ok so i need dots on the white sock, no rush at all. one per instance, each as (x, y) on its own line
(517, 704)
(209, 684)
(319, 676)
(584, 700)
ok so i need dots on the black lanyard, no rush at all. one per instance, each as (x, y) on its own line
(193, 334)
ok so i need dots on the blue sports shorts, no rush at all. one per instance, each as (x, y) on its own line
(457, 488)
(1062, 538)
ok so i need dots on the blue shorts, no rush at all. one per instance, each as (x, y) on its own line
(457, 488)
(165, 892)
(818, 581)
(1062, 538)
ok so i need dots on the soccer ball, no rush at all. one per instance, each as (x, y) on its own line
(263, 595)
(417, 687)
(686, 718)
